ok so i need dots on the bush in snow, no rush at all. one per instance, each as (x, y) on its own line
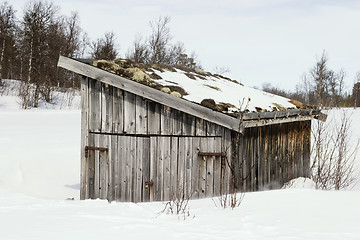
(333, 154)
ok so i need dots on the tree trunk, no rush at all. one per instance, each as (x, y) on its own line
(2, 57)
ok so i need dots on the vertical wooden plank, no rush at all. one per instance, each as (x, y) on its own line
(165, 145)
(174, 166)
(118, 111)
(106, 108)
(226, 175)
(188, 127)
(114, 176)
(165, 119)
(97, 168)
(200, 129)
(160, 171)
(202, 168)
(181, 164)
(266, 149)
(132, 166)
(146, 170)
(209, 189)
(213, 129)
(90, 193)
(129, 169)
(122, 156)
(129, 113)
(84, 162)
(141, 115)
(153, 119)
(176, 122)
(103, 167)
(140, 147)
(217, 168)
(195, 167)
(95, 106)
(188, 166)
(153, 168)
(260, 159)
(306, 130)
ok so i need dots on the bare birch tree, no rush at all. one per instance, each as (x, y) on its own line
(333, 154)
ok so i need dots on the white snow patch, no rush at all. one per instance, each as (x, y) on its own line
(300, 182)
(231, 92)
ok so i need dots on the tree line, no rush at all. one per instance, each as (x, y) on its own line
(322, 87)
(30, 48)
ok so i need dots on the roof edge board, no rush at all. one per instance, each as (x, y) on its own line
(265, 122)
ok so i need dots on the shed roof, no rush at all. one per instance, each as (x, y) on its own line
(220, 93)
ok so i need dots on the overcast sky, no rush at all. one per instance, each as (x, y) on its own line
(260, 41)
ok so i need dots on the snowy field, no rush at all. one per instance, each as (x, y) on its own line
(39, 170)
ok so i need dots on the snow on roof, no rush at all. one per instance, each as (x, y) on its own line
(199, 85)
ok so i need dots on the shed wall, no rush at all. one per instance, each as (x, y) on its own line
(152, 143)
(274, 154)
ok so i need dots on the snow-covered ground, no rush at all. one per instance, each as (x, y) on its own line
(39, 170)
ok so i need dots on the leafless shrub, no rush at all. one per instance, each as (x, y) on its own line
(333, 155)
(230, 200)
(178, 203)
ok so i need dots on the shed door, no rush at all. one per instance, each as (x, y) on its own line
(117, 168)
(177, 168)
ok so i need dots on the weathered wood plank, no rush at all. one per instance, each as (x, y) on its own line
(195, 169)
(118, 111)
(90, 193)
(209, 188)
(146, 169)
(153, 169)
(174, 166)
(103, 167)
(84, 164)
(165, 120)
(188, 127)
(265, 122)
(122, 154)
(138, 174)
(97, 167)
(200, 129)
(94, 105)
(202, 168)
(132, 166)
(217, 167)
(176, 123)
(114, 177)
(226, 176)
(106, 108)
(149, 93)
(129, 113)
(160, 171)
(165, 145)
(153, 119)
(141, 115)
(188, 166)
(181, 164)
(307, 147)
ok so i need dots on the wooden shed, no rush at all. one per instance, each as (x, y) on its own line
(141, 144)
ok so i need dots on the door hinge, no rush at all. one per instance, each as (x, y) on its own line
(87, 148)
